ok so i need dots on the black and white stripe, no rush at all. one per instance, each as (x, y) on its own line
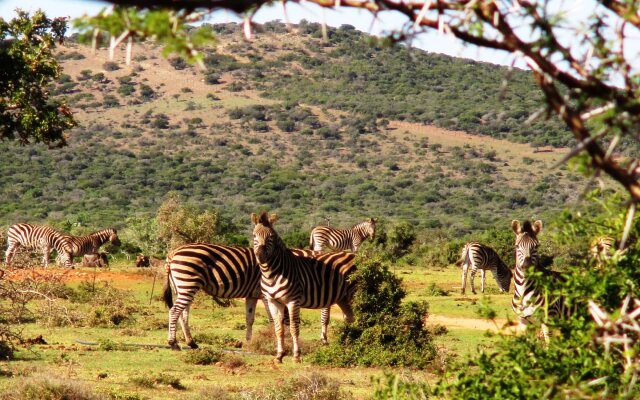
(527, 297)
(324, 237)
(478, 256)
(226, 272)
(299, 282)
(78, 246)
(34, 237)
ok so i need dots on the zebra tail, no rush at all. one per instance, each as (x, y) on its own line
(464, 257)
(166, 293)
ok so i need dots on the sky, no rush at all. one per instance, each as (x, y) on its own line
(388, 21)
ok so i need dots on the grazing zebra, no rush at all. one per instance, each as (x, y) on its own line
(293, 282)
(35, 237)
(602, 248)
(527, 297)
(78, 246)
(227, 272)
(342, 239)
(478, 256)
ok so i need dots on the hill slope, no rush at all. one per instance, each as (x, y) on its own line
(288, 123)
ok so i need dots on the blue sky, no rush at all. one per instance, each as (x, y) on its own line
(432, 41)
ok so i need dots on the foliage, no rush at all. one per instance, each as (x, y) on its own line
(27, 114)
(206, 356)
(523, 367)
(49, 388)
(180, 224)
(167, 27)
(312, 386)
(386, 331)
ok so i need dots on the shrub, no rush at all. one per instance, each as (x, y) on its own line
(205, 356)
(48, 388)
(110, 101)
(385, 332)
(178, 63)
(110, 66)
(312, 386)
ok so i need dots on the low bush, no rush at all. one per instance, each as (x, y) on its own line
(313, 386)
(206, 356)
(386, 331)
(47, 388)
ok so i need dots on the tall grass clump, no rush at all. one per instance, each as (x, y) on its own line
(386, 331)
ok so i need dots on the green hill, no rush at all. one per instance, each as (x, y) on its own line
(289, 123)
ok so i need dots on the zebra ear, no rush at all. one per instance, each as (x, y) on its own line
(515, 226)
(373, 220)
(273, 218)
(537, 226)
(254, 218)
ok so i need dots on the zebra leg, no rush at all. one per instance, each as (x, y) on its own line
(250, 308)
(473, 277)
(325, 315)
(482, 272)
(45, 255)
(465, 268)
(11, 249)
(184, 323)
(183, 301)
(294, 315)
(266, 308)
(277, 311)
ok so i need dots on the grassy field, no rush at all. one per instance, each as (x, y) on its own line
(95, 358)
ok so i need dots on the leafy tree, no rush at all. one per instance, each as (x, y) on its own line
(27, 114)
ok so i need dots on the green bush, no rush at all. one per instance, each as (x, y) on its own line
(386, 332)
(205, 356)
(48, 388)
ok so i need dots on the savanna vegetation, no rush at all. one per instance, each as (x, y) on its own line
(581, 360)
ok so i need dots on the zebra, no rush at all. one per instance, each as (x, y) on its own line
(35, 237)
(342, 239)
(293, 282)
(527, 297)
(78, 246)
(221, 271)
(478, 256)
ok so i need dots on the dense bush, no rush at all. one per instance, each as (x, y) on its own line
(386, 331)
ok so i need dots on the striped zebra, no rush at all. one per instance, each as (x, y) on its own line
(299, 282)
(34, 237)
(527, 297)
(78, 246)
(323, 237)
(478, 256)
(227, 272)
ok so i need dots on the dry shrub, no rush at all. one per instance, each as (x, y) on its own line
(47, 388)
(264, 342)
(233, 361)
(313, 386)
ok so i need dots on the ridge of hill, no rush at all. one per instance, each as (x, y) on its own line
(292, 124)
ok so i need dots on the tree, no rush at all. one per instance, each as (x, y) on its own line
(27, 114)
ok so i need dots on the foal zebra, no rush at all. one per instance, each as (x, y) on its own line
(342, 239)
(35, 237)
(293, 282)
(478, 256)
(527, 297)
(227, 272)
(78, 246)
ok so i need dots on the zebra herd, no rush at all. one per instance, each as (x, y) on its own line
(289, 279)
(46, 239)
(285, 279)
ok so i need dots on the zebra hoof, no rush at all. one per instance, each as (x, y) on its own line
(193, 345)
(174, 346)
(278, 358)
(297, 359)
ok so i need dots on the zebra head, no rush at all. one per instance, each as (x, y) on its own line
(526, 242)
(265, 238)
(371, 227)
(113, 237)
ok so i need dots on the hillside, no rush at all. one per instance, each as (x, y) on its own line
(311, 130)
